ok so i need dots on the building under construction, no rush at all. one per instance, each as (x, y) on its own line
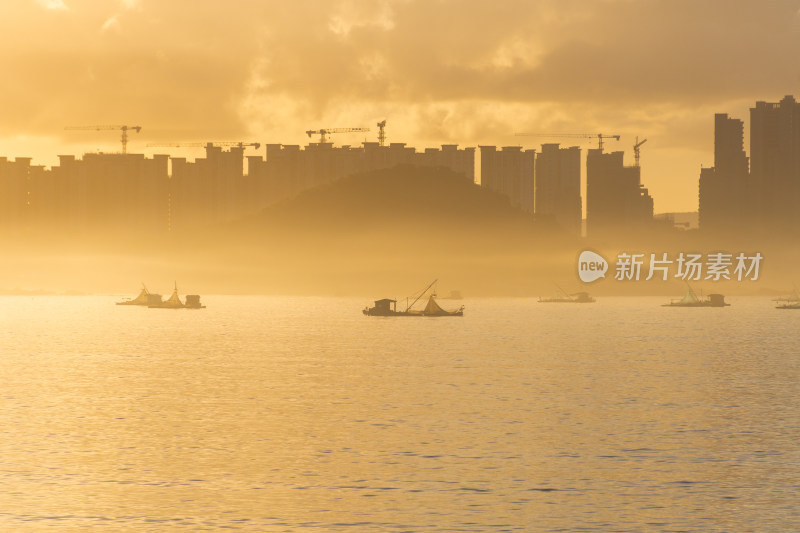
(547, 184)
(510, 172)
(133, 191)
(558, 186)
(290, 169)
(616, 200)
(113, 190)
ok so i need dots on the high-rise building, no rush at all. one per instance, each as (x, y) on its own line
(14, 187)
(289, 169)
(208, 190)
(105, 190)
(461, 161)
(616, 201)
(558, 186)
(510, 172)
(129, 190)
(725, 198)
(775, 162)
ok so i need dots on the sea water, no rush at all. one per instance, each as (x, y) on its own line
(301, 414)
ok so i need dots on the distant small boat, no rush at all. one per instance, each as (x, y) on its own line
(173, 302)
(562, 296)
(154, 301)
(388, 307)
(793, 297)
(792, 301)
(454, 295)
(690, 299)
(142, 299)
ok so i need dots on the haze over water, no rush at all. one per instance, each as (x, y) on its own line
(294, 414)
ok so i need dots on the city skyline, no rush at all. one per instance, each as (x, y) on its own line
(268, 73)
(761, 190)
(227, 184)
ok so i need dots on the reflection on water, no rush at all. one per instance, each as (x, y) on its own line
(280, 414)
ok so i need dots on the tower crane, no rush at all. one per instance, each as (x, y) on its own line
(636, 150)
(598, 136)
(382, 132)
(238, 144)
(124, 130)
(324, 132)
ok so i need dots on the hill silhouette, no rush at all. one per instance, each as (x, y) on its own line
(399, 195)
(402, 225)
(416, 207)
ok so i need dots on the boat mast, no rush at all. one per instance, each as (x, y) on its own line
(694, 294)
(420, 295)
(565, 293)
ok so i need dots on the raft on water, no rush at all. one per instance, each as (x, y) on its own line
(155, 301)
(142, 299)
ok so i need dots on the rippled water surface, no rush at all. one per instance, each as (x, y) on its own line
(295, 414)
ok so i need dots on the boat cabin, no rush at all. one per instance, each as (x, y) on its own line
(717, 300)
(385, 305)
(193, 302)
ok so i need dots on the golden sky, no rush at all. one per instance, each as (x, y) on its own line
(440, 71)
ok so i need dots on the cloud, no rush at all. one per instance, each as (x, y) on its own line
(466, 71)
(53, 4)
(162, 71)
(611, 51)
(410, 54)
(349, 14)
(471, 71)
(112, 23)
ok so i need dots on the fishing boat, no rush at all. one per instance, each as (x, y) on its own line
(388, 307)
(174, 301)
(690, 299)
(792, 301)
(141, 299)
(562, 296)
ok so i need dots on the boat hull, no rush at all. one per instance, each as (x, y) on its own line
(373, 312)
(691, 300)
(702, 304)
(564, 301)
